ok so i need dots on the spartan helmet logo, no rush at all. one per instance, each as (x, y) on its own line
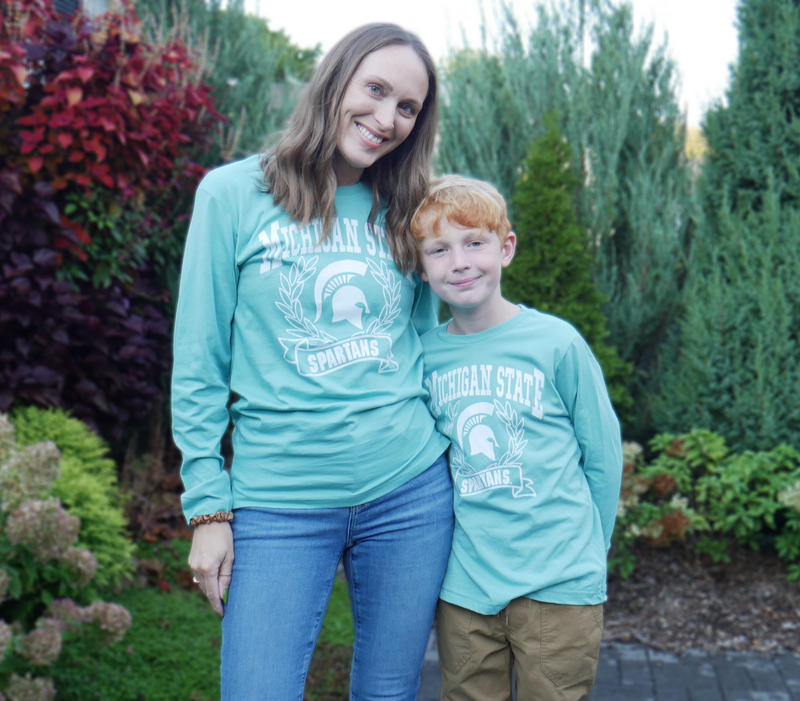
(481, 438)
(349, 302)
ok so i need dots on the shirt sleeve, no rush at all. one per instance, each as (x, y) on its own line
(425, 312)
(579, 381)
(202, 350)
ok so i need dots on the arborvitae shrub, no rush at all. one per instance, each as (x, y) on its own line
(734, 366)
(87, 488)
(552, 267)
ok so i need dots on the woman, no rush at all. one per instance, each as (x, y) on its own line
(297, 295)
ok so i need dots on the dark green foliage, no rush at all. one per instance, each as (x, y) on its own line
(552, 268)
(257, 73)
(622, 119)
(172, 649)
(170, 652)
(734, 367)
(87, 488)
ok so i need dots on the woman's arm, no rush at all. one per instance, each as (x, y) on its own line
(425, 312)
(201, 374)
(201, 386)
(211, 560)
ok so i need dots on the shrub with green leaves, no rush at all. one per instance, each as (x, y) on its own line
(86, 487)
(751, 498)
(43, 571)
(644, 514)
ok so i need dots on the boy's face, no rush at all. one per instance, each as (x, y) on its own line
(463, 265)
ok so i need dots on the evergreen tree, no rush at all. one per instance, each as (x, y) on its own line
(620, 114)
(552, 268)
(734, 366)
(757, 132)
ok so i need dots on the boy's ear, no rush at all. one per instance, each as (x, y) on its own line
(509, 248)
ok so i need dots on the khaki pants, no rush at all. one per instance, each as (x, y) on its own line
(555, 648)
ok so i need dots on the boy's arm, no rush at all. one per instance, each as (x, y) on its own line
(579, 381)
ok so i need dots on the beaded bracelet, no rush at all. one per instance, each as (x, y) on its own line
(210, 518)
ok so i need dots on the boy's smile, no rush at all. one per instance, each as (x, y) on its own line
(463, 266)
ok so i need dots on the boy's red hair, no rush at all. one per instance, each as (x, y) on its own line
(466, 202)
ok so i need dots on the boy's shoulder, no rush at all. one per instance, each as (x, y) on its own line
(525, 325)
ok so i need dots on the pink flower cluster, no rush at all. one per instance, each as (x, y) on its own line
(43, 527)
(6, 633)
(30, 689)
(82, 563)
(28, 474)
(113, 619)
(5, 580)
(42, 646)
(66, 611)
(7, 442)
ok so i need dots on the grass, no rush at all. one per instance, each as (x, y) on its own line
(171, 652)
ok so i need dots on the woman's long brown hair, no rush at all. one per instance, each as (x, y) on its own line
(298, 170)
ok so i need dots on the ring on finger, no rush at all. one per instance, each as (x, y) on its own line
(226, 574)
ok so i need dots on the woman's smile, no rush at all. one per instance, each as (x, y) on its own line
(379, 109)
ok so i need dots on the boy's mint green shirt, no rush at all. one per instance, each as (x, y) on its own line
(536, 460)
(320, 342)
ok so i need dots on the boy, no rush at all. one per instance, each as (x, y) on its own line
(536, 462)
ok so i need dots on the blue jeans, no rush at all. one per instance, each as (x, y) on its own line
(395, 553)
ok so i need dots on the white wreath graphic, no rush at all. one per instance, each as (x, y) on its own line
(290, 291)
(292, 287)
(515, 430)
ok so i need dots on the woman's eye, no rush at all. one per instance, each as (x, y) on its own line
(375, 89)
(406, 109)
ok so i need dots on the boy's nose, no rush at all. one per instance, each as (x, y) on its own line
(460, 261)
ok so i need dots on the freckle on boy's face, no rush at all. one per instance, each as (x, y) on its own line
(463, 265)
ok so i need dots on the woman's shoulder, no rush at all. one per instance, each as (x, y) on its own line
(234, 179)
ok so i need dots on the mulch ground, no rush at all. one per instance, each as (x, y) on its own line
(674, 601)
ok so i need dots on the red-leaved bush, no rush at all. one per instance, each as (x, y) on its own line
(90, 112)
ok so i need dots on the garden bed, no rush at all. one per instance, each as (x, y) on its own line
(674, 601)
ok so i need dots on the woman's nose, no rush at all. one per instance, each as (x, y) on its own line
(384, 116)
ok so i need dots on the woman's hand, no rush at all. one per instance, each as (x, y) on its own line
(211, 560)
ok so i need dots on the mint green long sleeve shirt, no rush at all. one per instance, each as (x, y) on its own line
(536, 460)
(320, 342)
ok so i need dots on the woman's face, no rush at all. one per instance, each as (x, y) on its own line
(379, 109)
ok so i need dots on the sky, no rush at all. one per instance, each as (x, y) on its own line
(701, 33)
